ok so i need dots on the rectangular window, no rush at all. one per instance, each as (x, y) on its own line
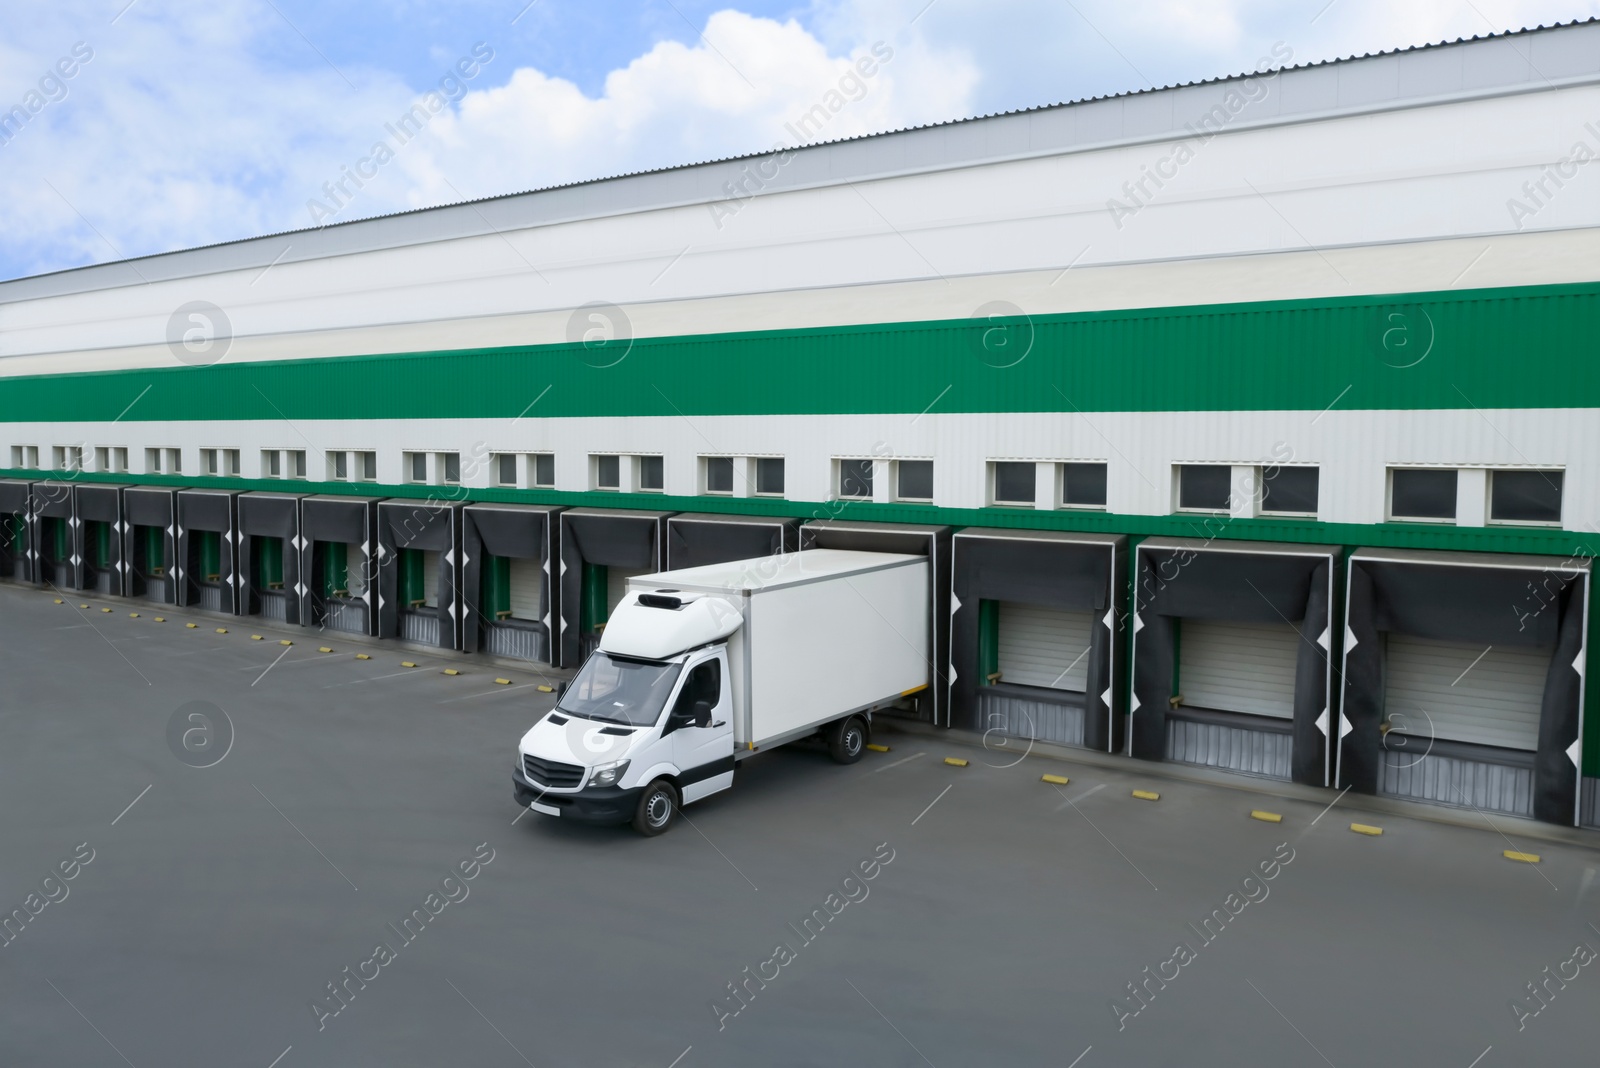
(855, 479)
(297, 463)
(505, 469)
(271, 463)
(652, 474)
(1083, 485)
(1204, 487)
(341, 464)
(367, 466)
(175, 460)
(1416, 493)
(16, 456)
(769, 476)
(1289, 490)
(416, 467)
(33, 456)
(66, 457)
(544, 471)
(719, 474)
(119, 459)
(450, 466)
(1525, 496)
(152, 461)
(607, 472)
(230, 462)
(102, 458)
(208, 462)
(913, 480)
(1011, 482)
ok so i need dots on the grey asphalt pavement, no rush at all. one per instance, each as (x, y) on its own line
(1007, 920)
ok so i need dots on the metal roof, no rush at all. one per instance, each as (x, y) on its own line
(1517, 61)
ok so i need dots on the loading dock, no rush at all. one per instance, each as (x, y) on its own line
(508, 572)
(601, 549)
(1231, 646)
(149, 540)
(695, 539)
(338, 552)
(16, 532)
(208, 525)
(98, 540)
(269, 556)
(53, 524)
(419, 550)
(930, 541)
(1035, 628)
(1463, 680)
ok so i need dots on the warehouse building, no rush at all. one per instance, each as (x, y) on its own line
(1245, 424)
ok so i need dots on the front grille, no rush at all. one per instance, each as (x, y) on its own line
(550, 773)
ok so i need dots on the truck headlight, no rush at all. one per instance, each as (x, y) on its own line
(607, 774)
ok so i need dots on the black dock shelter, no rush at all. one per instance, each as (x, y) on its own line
(97, 538)
(419, 554)
(16, 531)
(336, 572)
(1232, 643)
(269, 556)
(933, 542)
(508, 570)
(601, 549)
(1464, 680)
(150, 543)
(53, 524)
(697, 538)
(1036, 630)
(208, 523)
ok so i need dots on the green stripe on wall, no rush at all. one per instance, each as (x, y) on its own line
(1502, 348)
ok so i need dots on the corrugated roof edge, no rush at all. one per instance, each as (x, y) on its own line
(368, 219)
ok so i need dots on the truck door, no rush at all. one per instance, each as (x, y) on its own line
(702, 729)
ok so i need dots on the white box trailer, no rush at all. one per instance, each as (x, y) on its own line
(699, 668)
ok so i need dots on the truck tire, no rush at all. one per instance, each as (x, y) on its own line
(658, 807)
(847, 740)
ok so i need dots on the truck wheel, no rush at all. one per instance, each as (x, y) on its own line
(848, 740)
(657, 807)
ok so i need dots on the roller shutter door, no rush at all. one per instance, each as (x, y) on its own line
(1495, 703)
(430, 579)
(355, 575)
(617, 584)
(526, 581)
(1044, 646)
(1238, 667)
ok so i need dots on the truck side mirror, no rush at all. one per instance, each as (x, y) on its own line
(702, 713)
(561, 689)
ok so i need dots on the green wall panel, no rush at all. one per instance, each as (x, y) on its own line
(1509, 348)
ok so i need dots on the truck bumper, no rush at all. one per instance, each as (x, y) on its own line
(604, 804)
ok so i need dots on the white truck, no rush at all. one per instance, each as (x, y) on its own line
(700, 668)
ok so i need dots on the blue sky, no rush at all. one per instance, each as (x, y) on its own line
(195, 123)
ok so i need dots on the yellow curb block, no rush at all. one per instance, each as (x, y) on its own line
(1363, 828)
(161, 619)
(1147, 795)
(255, 637)
(285, 641)
(451, 671)
(547, 689)
(191, 626)
(877, 748)
(60, 601)
(502, 682)
(1525, 858)
(83, 606)
(363, 656)
(324, 649)
(1265, 817)
(408, 663)
(1055, 780)
(133, 615)
(955, 762)
(222, 630)
(105, 609)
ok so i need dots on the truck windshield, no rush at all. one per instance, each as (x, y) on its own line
(616, 690)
